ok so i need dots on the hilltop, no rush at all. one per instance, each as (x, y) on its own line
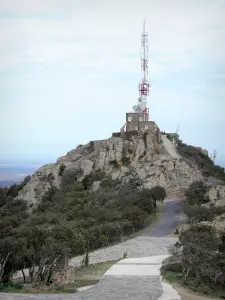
(148, 159)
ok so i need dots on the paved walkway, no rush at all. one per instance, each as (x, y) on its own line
(141, 246)
(131, 278)
(170, 220)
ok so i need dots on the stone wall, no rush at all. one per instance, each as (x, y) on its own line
(64, 276)
(129, 134)
(136, 117)
(116, 134)
(125, 134)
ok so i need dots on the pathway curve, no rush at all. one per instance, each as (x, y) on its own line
(170, 147)
(135, 278)
(169, 221)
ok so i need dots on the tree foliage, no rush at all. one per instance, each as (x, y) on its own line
(203, 256)
(196, 194)
(198, 213)
(67, 222)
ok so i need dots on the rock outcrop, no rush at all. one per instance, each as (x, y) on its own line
(217, 195)
(129, 158)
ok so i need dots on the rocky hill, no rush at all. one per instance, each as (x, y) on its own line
(150, 159)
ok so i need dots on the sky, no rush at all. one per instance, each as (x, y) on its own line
(69, 72)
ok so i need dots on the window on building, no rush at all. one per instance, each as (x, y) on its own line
(129, 119)
(136, 127)
(146, 126)
(141, 119)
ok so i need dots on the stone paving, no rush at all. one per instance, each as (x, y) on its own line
(141, 246)
(109, 288)
(115, 287)
(124, 287)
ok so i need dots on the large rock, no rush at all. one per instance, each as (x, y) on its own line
(217, 195)
(218, 223)
(147, 166)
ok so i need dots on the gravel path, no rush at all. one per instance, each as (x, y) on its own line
(170, 147)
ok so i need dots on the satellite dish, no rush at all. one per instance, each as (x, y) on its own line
(142, 106)
(135, 108)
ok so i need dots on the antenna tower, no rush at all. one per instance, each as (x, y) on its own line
(144, 84)
(214, 155)
(141, 112)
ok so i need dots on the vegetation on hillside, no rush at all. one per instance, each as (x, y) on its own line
(205, 164)
(200, 251)
(69, 221)
(202, 263)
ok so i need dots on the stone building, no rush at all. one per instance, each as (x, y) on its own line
(137, 121)
(136, 124)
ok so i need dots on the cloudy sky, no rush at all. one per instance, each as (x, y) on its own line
(69, 71)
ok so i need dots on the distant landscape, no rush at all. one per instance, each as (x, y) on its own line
(14, 174)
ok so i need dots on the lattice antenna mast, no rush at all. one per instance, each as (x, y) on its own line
(144, 85)
(214, 155)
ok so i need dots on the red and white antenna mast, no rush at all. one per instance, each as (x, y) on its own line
(144, 85)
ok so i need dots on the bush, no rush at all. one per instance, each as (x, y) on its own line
(202, 256)
(145, 138)
(93, 176)
(198, 214)
(125, 160)
(173, 267)
(61, 169)
(11, 286)
(70, 176)
(196, 193)
(145, 201)
(205, 164)
(108, 182)
(158, 193)
(114, 163)
(91, 147)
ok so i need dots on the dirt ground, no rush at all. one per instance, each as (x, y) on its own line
(188, 295)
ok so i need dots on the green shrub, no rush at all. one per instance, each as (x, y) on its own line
(130, 150)
(145, 138)
(61, 169)
(125, 161)
(173, 267)
(11, 286)
(198, 213)
(91, 147)
(205, 164)
(196, 193)
(70, 176)
(93, 176)
(114, 163)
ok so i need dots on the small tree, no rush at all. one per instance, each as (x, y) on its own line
(145, 200)
(196, 193)
(158, 193)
